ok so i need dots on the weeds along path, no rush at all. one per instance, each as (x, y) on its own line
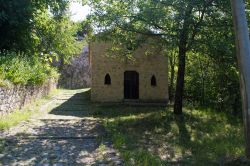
(64, 134)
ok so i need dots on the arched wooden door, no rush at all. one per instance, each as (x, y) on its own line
(131, 85)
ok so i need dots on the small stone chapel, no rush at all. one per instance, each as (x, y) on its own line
(143, 79)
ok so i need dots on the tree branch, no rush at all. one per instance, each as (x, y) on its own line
(197, 25)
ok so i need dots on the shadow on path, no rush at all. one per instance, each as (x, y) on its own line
(58, 140)
(79, 105)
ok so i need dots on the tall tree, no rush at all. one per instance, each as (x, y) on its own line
(178, 22)
(17, 21)
(41, 27)
(243, 55)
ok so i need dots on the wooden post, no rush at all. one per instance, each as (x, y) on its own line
(243, 56)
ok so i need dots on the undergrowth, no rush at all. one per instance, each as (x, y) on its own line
(148, 136)
(17, 68)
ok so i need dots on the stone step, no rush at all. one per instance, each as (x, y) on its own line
(70, 99)
(9, 139)
(65, 112)
(59, 128)
(50, 152)
(145, 104)
(70, 102)
(136, 103)
(70, 110)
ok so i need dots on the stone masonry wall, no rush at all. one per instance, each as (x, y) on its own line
(76, 74)
(18, 96)
(146, 65)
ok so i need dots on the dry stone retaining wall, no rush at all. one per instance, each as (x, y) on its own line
(17, 96)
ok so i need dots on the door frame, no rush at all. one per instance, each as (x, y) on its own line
(131, 85)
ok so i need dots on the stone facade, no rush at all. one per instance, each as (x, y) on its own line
(147, 66)
(76, 74)
(17, 96)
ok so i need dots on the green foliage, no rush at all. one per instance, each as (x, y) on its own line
(119, 140)
(204, 31)
(85, 28)
(138, 157)
(4, 83)
(101, 147)
(2, 144)
(212, 77)
(122, 21)
(55, 37)
(42, 31)
(213, 83)
(21, 69)
(38, 27)
(17, 21)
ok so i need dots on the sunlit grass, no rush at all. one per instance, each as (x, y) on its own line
(2, 142)
(154, 136)
(14, 118)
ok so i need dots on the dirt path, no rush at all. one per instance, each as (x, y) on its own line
(64, 134)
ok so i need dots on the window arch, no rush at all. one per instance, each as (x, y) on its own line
(107, 80)
(153, 81)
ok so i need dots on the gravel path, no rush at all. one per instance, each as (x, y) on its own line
(63, 136)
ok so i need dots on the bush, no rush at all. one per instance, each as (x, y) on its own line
(18, 68)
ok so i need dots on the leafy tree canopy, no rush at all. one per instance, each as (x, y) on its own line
(188, 26)
(38, 27)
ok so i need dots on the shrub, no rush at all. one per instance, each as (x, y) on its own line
(18, 68)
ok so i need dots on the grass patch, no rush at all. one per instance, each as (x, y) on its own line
(2, 143)
(15, 117)
(5, 83)
(154, 136)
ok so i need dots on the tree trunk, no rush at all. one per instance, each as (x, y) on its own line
(182, 60)
(243, 56)
(202, 102)
(180, 78)
(171, 86)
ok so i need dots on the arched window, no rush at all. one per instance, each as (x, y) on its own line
(107, 80)
(153, 81)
